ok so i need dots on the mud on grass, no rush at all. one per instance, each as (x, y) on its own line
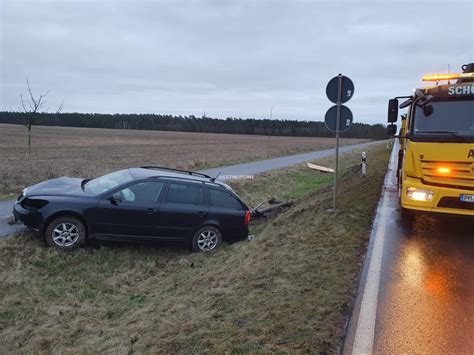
(288, 290)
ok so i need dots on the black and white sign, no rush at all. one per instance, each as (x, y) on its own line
(345, 120)
(332, 89)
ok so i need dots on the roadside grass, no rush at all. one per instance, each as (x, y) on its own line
(289, 290)
(299, 181)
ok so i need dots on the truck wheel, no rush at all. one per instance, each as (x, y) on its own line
(206, 239)
(65, 233)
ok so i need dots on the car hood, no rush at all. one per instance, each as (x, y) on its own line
(63, 186)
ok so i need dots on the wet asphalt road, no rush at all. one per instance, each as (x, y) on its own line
(226, 172)
(427, 291)
(5, 216)
(261, 166)
(425, 301)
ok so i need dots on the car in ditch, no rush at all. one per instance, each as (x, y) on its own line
(136, 204)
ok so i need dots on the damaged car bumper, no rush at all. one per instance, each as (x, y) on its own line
(30, 218)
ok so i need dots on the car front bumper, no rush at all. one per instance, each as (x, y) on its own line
(31, 218)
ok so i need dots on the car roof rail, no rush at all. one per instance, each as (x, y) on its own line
(179, 170)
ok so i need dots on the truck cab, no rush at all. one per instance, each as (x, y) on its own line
(436, 156)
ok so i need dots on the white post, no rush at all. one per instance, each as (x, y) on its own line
(364, 164)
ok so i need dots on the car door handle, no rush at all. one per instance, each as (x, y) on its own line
(201, 213)
(151, 211)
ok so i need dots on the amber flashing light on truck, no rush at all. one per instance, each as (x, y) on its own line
(446, 77)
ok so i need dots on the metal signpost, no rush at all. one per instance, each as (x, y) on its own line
(338, 118)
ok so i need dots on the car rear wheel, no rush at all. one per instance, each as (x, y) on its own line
(206, 239)
(66, 233)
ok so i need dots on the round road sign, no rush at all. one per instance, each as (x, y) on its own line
(332, 89)
(345, 120)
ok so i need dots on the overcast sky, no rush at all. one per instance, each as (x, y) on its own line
(227, 58)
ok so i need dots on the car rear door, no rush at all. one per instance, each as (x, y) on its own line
(183, 209)
(136, 216)
(229, 212)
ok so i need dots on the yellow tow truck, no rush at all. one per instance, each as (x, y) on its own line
(436, 157)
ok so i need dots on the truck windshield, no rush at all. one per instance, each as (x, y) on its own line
(453, 118)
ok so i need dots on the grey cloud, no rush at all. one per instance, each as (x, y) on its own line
(228, 58)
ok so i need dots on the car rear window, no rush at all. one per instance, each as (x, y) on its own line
(187, 194)
(224, 199)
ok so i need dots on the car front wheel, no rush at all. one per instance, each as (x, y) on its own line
(206, 239)
(66, 233)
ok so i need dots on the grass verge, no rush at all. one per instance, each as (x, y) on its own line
(290, 289)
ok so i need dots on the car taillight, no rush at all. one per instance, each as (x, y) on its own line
(247, 218)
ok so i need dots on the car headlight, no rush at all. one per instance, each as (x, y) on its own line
(419, 195)
(33, 204)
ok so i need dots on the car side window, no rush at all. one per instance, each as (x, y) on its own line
(184, 193)
(224, 199)
(147, 191)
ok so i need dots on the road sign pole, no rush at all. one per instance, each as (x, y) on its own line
(338, 125)
(338, 118)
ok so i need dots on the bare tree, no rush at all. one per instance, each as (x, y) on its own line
(32, 106)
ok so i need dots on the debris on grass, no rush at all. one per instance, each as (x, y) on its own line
(266, 207)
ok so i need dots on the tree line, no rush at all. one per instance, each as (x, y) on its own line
(274, 127)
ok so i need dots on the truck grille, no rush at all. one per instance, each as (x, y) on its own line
(454, 202)
(462, 174)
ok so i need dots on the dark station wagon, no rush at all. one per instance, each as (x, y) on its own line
(136, 204)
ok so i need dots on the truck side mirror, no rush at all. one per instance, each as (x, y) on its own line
(392, 110)
(391, 129)
(428, 110)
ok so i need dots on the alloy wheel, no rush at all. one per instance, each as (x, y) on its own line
(65, 234)
(207, 240)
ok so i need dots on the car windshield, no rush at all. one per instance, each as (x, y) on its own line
(455, 118)
(107, 182)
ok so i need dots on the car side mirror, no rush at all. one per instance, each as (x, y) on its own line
(116, 198)
(391, 129)
(392, 110)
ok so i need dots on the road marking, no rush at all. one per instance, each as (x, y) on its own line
(365, 331)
